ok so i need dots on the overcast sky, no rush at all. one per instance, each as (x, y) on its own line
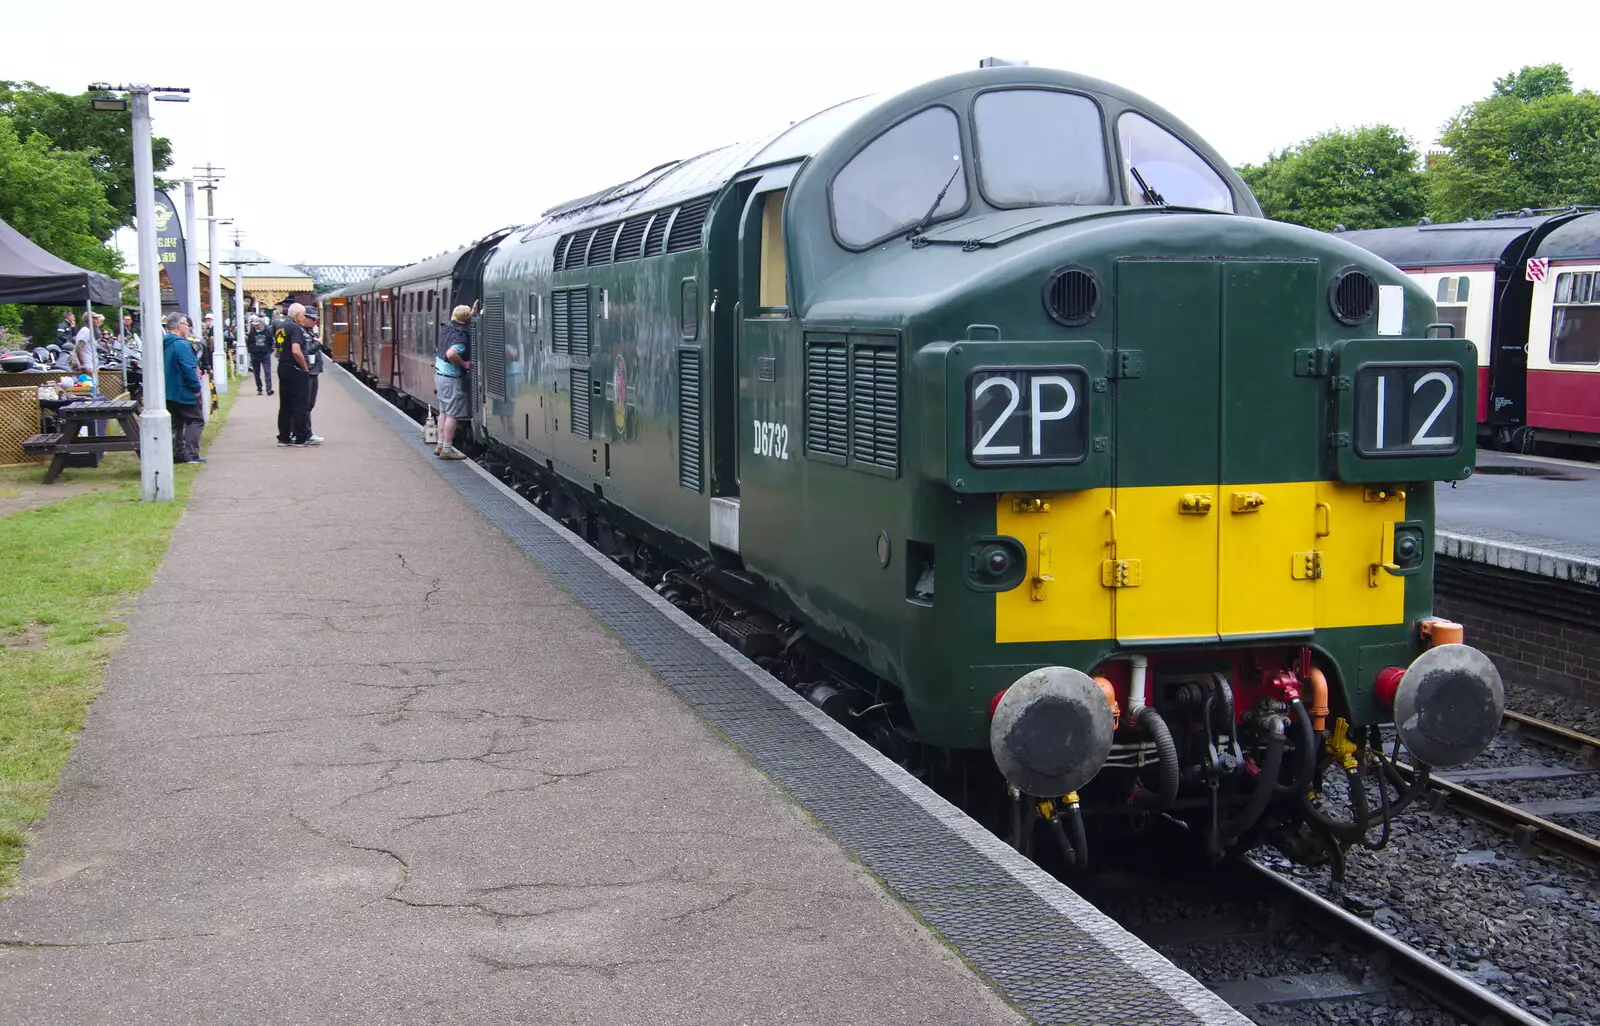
(384, 133)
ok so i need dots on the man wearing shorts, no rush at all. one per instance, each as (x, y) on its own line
(450, 365)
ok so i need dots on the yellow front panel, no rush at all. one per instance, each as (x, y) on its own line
(1349, 593)
(1073, 606)
(1263, 528)
(1176, 596)
(1262, 559)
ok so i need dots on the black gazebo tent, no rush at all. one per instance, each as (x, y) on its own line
(30, 275)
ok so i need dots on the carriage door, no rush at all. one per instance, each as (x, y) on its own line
(1213, 523)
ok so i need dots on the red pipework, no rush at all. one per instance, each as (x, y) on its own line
(1387, 684)
(994, 703)
(1283, 685)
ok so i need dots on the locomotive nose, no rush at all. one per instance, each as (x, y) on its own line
(1447, 705)
(1051, 731)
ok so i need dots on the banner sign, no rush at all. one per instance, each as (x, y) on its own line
(169, 247)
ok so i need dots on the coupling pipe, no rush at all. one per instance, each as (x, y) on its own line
(1266, 782)
(1305, 751)
(1150, 721)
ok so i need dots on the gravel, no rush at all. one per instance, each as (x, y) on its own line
(1563, 710)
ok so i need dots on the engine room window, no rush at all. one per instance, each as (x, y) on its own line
(1038, 146)
(1168, 166)
(774, 263)
(893, 182)
(1575, 322)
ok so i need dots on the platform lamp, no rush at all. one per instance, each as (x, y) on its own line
(155, 423)
(239, 263)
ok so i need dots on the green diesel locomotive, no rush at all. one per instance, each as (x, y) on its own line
(994, 418)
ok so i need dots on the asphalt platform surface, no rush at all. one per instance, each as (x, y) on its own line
(1545, 505)
(361, 760)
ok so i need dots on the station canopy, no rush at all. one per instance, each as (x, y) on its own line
(28, 274)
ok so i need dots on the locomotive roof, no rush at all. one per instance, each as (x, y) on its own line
(1460, 242)
(1578, 238)
(683, 179)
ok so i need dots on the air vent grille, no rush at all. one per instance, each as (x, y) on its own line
(1353, 295)
(493, 358)
(875, 406)
(578, 320)
(1072, 295)
(600, 249)
(689, 432)
(579, 380)
(827, 400)
(655, 240)
(562, 245)
(578, 252)
(630, 241)
(686, 226)
(560, 339)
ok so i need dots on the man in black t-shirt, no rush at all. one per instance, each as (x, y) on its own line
(294, 380)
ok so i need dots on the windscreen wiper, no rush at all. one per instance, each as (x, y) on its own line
(922, 222)
(1152, 197)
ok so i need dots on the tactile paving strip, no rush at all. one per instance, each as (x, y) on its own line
(1050, 953)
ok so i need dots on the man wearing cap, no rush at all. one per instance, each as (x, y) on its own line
(294, 380)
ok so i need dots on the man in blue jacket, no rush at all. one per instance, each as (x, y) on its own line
(183, 390)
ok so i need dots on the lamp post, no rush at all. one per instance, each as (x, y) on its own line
(155, 423)
(219, 355)
(191, 254)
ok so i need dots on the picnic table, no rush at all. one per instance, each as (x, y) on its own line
(63, 442)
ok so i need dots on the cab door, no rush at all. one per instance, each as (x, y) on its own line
(1214, 496)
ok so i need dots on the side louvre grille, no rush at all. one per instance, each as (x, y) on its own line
(600, 249)
(560, 338)
(579, 379)
(578, 251)
(655, 240)
(561, 252)
(875, 406)
(686, 226)
(827, 399)
(630, 242)
(689, 434)
(578, 320)
(494, 346)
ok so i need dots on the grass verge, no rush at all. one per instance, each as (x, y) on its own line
(68, 572)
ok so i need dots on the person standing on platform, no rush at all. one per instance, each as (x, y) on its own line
(85, 349)
(294, 381)
(314, 364)
(450, 365)
(183, 390)
(259, 344)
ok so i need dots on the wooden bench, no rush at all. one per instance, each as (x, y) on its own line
(36, 444)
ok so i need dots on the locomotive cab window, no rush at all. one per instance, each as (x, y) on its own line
(1575, 321)
(1168, 166)
(1040, 146)
(774, 276)
(895, 180)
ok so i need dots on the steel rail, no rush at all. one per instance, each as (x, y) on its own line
(1543, 732)
(1529, 830)
(1454, 992)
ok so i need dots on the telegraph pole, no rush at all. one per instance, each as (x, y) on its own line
(155, 423)
(219, 353)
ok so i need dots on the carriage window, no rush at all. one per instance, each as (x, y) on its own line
(1037, 146)
(1168, 166)
(893, 182)
(1454, 290)
(1451, 296)
(1575, 322)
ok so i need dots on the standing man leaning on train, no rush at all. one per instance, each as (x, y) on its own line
(450, 365)
(294, 381)
(259, 344)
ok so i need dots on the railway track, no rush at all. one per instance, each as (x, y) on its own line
(1526, 824)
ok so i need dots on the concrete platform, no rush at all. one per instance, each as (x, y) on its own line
(362, 759)
(1527, 514)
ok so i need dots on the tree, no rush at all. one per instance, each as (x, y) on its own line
(70, 123)
(1368, 177)
(1532, 143)
(1534, 82)
(54, 198)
